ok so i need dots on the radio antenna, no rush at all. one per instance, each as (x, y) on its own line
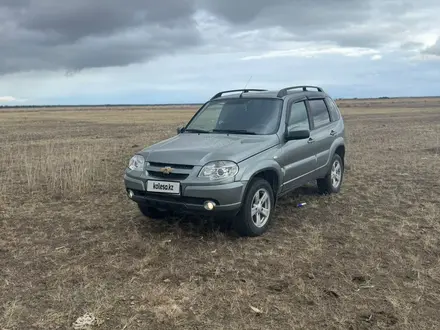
(245, 86)
(248, 82)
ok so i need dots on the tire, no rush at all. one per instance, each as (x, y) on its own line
(247, 225)
(332, 182)
(152, 212)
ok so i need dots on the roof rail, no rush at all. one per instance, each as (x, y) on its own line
(238, 90)
(283, 92)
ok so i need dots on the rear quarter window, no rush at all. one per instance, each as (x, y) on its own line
(320, 113)
(333, 109)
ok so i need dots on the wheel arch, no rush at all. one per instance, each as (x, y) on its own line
(337, 147)
(271, 174)
(340, 150)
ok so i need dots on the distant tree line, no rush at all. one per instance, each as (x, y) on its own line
(170, 104)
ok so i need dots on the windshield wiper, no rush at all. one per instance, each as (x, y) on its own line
(196, 130)
(234, 131)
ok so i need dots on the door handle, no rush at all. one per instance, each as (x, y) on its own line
(333, 132)
(310, 140)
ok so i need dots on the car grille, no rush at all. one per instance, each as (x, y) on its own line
(180, 172)
(175, 166)
(173, 176)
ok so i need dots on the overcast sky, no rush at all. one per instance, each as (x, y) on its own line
(171, 51)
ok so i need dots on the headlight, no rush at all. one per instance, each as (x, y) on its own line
(219, 170)
(136, 163)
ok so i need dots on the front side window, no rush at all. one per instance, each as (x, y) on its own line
(298, 117)
(240, 115)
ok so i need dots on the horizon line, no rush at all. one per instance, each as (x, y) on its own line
(186, 103)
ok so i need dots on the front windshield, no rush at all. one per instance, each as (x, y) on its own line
(241, 115)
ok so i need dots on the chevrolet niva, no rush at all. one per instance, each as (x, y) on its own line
(240, 152)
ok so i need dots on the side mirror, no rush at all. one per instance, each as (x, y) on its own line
(297, 134)
(180, 129)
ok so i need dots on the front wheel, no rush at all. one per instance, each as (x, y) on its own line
(332, 182)
(256, 212)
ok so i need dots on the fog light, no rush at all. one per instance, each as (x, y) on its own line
(209, 205)
(130, 194)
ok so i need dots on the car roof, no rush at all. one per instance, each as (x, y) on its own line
(279, 94)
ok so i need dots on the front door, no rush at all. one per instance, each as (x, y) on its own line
(298, 158)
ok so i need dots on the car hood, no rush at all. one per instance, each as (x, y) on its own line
(199, 149)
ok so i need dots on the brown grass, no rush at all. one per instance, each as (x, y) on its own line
(71, 243)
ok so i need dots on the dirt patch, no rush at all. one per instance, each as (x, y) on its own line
(434, 150)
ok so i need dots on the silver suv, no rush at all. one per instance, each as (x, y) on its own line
(239, 153)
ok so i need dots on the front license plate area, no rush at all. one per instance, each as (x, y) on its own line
(165, 187)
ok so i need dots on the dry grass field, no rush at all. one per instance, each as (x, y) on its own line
(72, 243)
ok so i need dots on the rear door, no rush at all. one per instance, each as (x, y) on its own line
(323, 130)
(298, 158)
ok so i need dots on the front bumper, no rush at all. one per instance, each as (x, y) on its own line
(227, 197)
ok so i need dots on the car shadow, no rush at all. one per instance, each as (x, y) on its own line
(186, 224)
(308, 190)
(197, 226)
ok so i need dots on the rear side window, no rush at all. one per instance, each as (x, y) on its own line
(319, 112)
(333, 109)
(298, 118)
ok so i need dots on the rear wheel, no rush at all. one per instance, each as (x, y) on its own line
(256, 212)
(152, 212)
(332, 182)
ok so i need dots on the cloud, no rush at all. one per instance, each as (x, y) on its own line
(313, 51)
(412, 46)
(347, 23)
(176, 50)
(434, 49)
(300, 15)
(7, 99)
(72, 35)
